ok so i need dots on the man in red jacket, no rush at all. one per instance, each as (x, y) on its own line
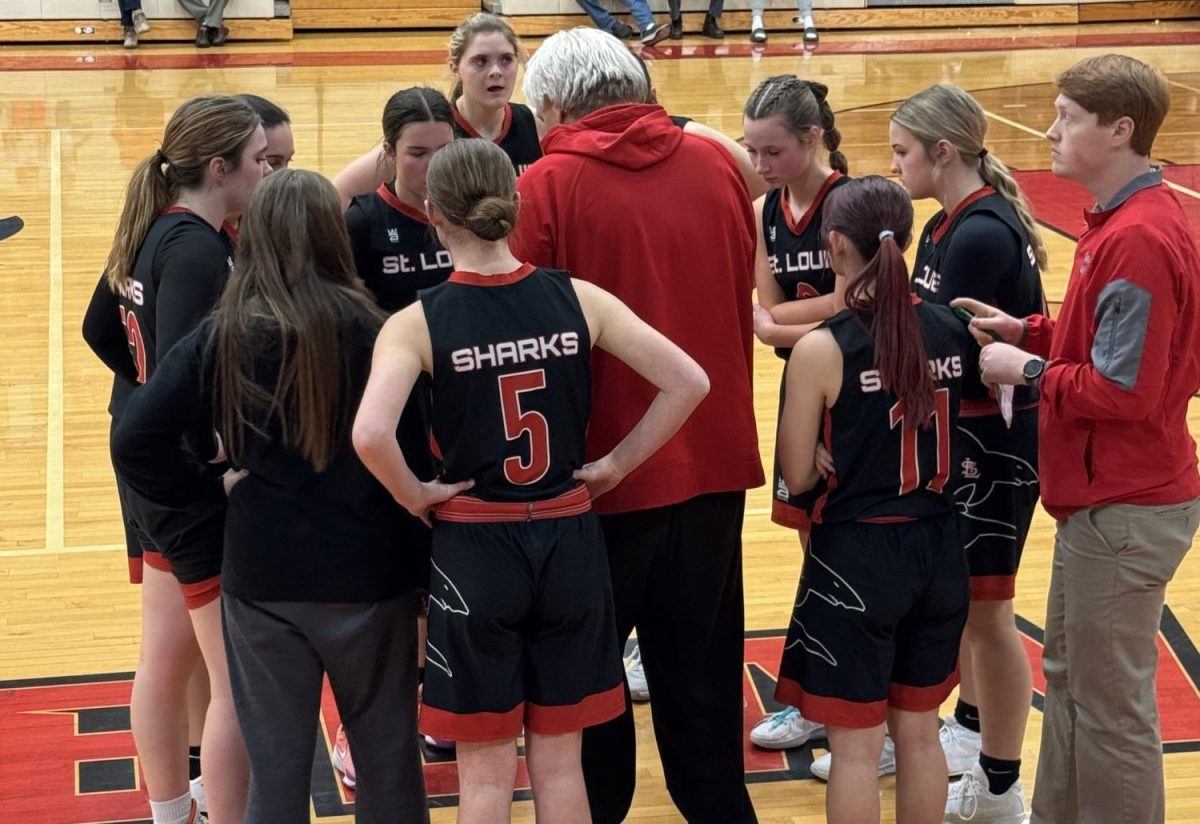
(625, 199)
(1118, 464)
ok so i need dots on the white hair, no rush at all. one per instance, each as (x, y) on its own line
(581, 70)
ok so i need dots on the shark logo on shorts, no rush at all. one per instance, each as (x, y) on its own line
(445, 594)
(976, 489)
(838, 593)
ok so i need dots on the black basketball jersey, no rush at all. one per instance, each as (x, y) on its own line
(395, 249)
(178, 276)
(1011, 282)
(511, 381)
(883, 466)
(795, 249)
(518, 136)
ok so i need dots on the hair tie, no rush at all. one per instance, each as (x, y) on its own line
(161, 159)
(982, 153)
(885, 234)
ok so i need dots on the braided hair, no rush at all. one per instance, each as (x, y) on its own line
(801, 106)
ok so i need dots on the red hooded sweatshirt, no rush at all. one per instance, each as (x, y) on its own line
(624, 199)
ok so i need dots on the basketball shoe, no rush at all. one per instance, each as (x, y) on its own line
(785, 729)
(970, 800)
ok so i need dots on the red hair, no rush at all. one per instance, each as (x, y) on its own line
(876, 216)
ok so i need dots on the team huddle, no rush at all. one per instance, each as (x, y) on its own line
(448, 429)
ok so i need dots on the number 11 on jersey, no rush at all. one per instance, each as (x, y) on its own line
(910, 468)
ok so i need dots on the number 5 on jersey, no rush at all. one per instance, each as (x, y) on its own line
(518, 423)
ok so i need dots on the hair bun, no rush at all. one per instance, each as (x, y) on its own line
(492, 218)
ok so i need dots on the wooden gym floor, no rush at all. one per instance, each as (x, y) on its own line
(74, 120)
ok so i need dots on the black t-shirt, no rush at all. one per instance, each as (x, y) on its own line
(518, 136)
(884, 468)
(980, 251)
(795, 250)
(511, 381)
(291, 533)
(181, 268)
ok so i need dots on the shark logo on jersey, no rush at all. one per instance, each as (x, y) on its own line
(833, 590)
(970, 497)
(393, 235)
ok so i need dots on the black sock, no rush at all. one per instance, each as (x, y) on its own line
(1000, 774)
(967, 715)
(193, 762)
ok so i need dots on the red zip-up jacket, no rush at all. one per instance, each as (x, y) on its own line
(1124, 360)
(624, 199)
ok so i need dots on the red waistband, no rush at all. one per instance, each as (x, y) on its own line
(465, 509)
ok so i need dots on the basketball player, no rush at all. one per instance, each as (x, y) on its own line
(316, 578)
(883, 594)
(982, 244)
(521, 631)
(170, 259)
(396, 253)
(277, 126)
(785, 121)
(484, 56)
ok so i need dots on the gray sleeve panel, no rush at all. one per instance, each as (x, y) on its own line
(1122, 316)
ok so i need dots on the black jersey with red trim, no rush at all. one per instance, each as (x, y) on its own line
(395, 249)
(178, 276)
(518, 136)
(511, 381)
(981, 251)
(884, 467)
(795, 250)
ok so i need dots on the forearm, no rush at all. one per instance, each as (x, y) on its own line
(665, 415)
(785, 337)
(804, 311)
(380, 453)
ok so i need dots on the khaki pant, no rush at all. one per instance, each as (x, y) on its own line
(206, 14)
(1101, 752)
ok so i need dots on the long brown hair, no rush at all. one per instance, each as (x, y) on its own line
(946, 112)
(876, 216)
(292, 301)
(800, 105)
(481, 22)
(202, 128)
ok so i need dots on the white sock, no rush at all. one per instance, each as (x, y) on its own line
(175, 811)
(757, 23)
(196, 785)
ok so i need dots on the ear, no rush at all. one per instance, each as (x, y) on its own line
(436, 219)
(218, 169)
(944, 152)
(836, 242)
(1122, 130)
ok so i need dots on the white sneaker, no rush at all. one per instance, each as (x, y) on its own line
(196, 788)
(785, 729)
(639, 690)
(140, 23)
(887, 761)
(970, 800)
(961, 746)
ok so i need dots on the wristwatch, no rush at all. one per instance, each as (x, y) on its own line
(1032, 371)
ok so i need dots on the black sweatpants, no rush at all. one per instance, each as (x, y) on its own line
(677, 577)
(278, 652)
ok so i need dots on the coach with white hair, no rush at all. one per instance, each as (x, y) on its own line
(625, 199)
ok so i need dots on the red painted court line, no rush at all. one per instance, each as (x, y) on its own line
(932, 45)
